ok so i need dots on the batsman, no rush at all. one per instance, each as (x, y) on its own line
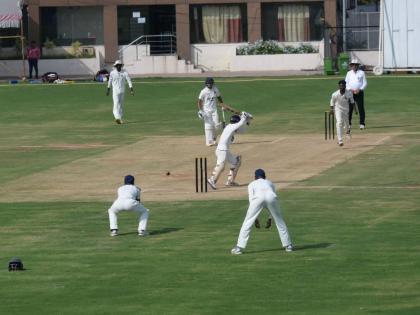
(208, 100)
(237, 125)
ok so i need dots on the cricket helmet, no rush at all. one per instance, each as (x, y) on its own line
(209, 81)
(129, 180)
(259, 173)
(15, 264)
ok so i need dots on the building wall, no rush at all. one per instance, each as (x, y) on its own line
(182, 18)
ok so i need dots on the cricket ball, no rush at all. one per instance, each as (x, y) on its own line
(168, 173)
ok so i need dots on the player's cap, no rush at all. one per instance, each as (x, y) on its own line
(118, 62)
(354, 62)
(259, 173)
(129, 180)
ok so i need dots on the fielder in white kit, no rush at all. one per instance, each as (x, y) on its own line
(340, 106)
(117, 79)
(237, 124)
(262, 194)
(128, 200)
(207, 110)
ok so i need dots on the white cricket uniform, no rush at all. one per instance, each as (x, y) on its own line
(127, 200)
(208, 98)
(262, 194)
(222, 151)
(117, 80)
(340, 103)
(356, 80)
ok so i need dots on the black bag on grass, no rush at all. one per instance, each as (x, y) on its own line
(50, 77)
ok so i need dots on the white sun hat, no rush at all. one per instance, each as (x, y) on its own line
(355, 62)
(118, 62)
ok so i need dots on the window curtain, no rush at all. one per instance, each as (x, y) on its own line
(222, 24)
(293, 23)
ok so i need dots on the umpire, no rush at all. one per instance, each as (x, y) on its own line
(356, 82)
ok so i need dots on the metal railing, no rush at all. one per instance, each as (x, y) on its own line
(154, 45)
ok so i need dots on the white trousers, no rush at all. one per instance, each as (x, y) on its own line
(223, 156)
(255, 207)
(128, 205)
(211, 123)
(342, 122)
(118, 99)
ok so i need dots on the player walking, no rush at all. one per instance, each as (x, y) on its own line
(262, 193)
(339, 105)
(128, 200)
(237, 124)
(117, 79)
(207, 110)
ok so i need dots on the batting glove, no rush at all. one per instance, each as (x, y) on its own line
(201, 114)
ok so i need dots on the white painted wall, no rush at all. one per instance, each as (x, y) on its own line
(222, 57)
(281, 62)
(132, 53)
(64, 67)
(366, 58)
(137, 61)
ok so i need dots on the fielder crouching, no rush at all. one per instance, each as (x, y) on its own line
(128, 200)
(237, 125)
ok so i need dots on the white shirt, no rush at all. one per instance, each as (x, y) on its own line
(129, 192)
(209, 98)
(116, 79)
(261, 188)
(226, 136)
(356, 80)
(340, 101)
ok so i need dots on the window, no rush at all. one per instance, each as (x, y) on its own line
(135, 21)
(292, 22)
(65, 25)
(216, 24)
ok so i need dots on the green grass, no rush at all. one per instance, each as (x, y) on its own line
(355, 226)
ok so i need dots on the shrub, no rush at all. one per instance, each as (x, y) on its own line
(272, 47)
(76, 48)
(49, 44)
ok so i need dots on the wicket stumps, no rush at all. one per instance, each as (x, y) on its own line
(329, 125)
(202, 175)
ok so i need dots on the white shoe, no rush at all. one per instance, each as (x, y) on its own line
(228, 183)
(211, 144)
(289, 248)
(143, 233)
(236, 251)
(348, 134)
(362, 127)
(340, 143)
(114, 233)
(211, 183)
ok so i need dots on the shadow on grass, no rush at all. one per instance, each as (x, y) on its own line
(165, 230)
(296, 248)
(132, 122)
(394, 126)
(155, 232)
(251, 142)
